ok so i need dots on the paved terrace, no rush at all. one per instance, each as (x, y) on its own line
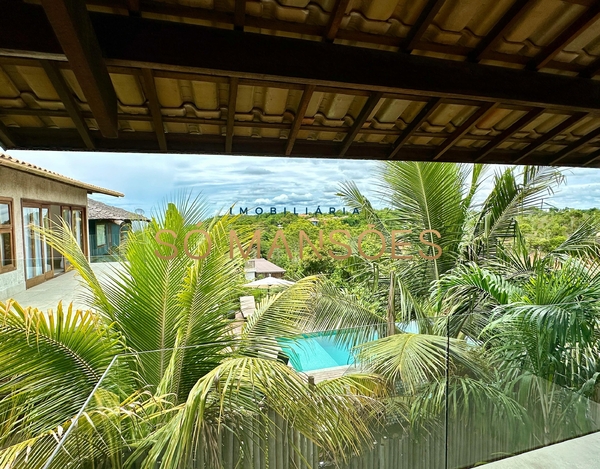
(66, 288)
(578, 453)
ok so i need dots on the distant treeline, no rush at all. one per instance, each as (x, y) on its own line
(543, 230)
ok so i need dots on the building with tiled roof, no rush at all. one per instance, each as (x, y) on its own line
(31, 196)
(8, 161)
(260, 268)
(101, 211)
(108, 226)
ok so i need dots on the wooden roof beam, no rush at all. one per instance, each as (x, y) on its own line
(67, 98)
(233, 89)
(592, 158)
(463, 129)
(583, 22)
(44, 138)
(508, 20)
(239, 16)
(141, 42)
(507, 133)
(71, 24)
(591, 70)
(425, 19)
(575, 146)
(300, 113)
(154, 106)
(133, 6)
(414, 125)
(335, 20)
(362, 117)
(7, 141)
(560, 128)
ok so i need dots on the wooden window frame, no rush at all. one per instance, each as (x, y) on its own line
(61, 205)
(84, 224)
(10, 229)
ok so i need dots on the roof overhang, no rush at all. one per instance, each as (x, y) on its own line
(407, 97)
(12, 163)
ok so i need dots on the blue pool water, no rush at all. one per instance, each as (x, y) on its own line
(317, 350)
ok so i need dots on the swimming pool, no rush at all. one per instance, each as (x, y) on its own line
(317, 350)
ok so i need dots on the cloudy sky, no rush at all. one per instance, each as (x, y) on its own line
(146, 180)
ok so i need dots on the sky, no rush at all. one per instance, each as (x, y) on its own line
(224, 180)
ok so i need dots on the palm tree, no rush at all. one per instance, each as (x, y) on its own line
(539, 317)
(440, 197)
(163, 370)
(443, 197)
(432, 352)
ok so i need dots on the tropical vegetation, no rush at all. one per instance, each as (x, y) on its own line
(185, 368)
(520, 325)
(500, 327)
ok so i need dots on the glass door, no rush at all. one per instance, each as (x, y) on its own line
(48, 268)
(66, 215)
(41, 261)
(77, 225)
(34, 246)
(58, 262)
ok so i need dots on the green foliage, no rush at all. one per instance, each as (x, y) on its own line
(545, 230)
(505, 323)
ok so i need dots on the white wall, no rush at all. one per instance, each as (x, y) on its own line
(19, 185)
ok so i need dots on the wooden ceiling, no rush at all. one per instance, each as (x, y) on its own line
(434, 80)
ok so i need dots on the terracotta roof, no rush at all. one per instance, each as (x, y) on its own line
(559, 39)
(10, 162)
(100, 211)
(263, 266)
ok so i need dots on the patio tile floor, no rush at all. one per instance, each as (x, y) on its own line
(66, 288)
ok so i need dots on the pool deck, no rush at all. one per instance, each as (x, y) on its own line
(329, 373)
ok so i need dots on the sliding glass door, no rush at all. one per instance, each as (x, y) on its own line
(73, 216)
(77, 224)
(35, 251)
(41, 261)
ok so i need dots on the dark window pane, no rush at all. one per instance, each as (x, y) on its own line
(4, 214)
(5, 249)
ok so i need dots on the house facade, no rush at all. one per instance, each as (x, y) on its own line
(255, 269)
(108, 226)
(31, 196)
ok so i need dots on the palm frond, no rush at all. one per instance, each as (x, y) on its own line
(428, 196)
(284, 314)
(50, 363)
(582, 242)
(513, 194)
(412, 360)
(245, 387)
(103, 435)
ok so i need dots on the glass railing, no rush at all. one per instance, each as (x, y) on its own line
(452, 400)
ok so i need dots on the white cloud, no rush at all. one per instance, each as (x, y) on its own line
(148, 179)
